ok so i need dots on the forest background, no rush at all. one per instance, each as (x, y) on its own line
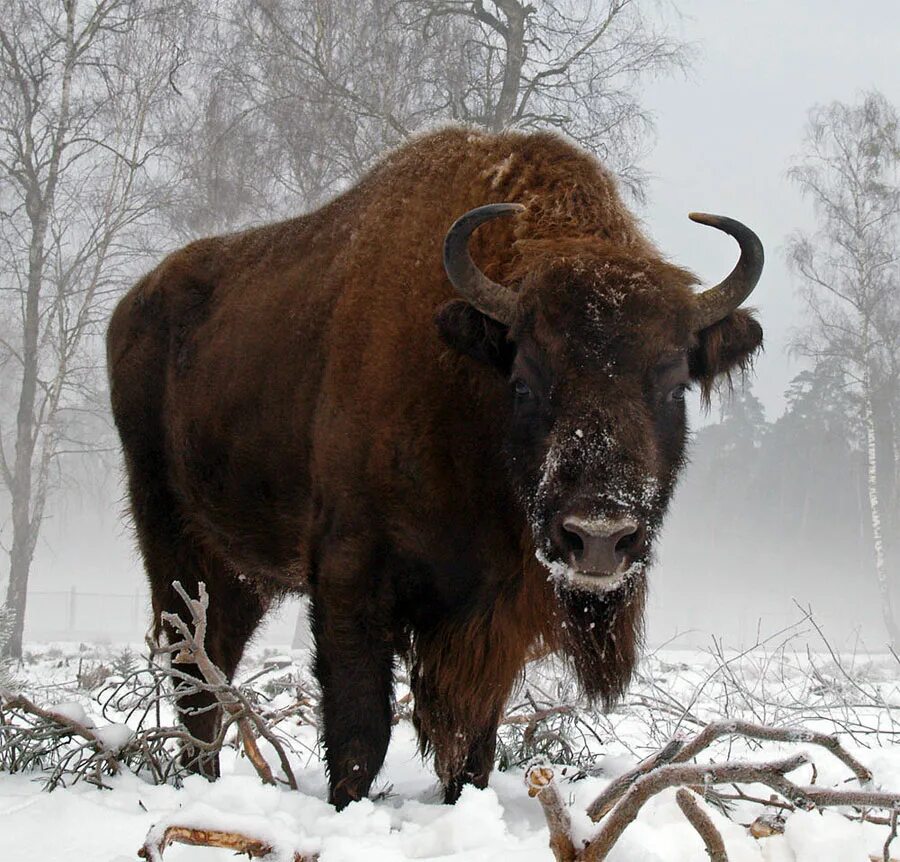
(129, 128)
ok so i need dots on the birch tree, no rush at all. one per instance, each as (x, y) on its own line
(80, 84)
(850, 275)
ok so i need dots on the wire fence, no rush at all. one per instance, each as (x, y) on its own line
(77, 614)
(81, 615)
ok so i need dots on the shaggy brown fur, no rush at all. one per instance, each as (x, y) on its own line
(306, 405)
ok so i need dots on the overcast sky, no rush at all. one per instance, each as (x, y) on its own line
(727, 134)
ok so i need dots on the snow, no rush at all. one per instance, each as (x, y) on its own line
(114, 736)
(813, 837)
(72, 710)
(405, 819)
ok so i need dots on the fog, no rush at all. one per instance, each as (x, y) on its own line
(742, 548)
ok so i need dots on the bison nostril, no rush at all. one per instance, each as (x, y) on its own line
(573, 541)
(628, 541)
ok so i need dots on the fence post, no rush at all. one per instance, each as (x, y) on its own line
(73, 594)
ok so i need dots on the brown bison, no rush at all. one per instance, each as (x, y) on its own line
(461, 443)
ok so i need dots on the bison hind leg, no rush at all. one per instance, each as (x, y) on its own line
(171, 553)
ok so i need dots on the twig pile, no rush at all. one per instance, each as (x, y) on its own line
(620, 803)
(235, 704)
(66, 747)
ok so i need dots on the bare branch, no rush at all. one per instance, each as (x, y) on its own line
(604, 803)
(68, 725)
(717, 729)
(192, 649)
(675, 775)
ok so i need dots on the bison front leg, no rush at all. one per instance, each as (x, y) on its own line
(461, 681)
(476, 768)
(461, 732)
(350, 616)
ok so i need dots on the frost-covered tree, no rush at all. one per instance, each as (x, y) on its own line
(849, 270)
(80, 85)
(572, 65)
(298, 98)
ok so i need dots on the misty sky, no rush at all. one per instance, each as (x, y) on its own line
(727, 134)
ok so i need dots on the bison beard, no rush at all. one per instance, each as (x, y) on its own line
(602, 636)
(321, 406)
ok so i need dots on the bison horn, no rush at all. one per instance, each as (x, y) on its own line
(471, 283)
(719, 301)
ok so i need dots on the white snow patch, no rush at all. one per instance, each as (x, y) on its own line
(815, 837)
(114, 736)
(72, 710)
(83, 822)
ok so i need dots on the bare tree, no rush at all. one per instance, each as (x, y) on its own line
(310, 94)
(563, 64)
(850, 272)
(80, 85)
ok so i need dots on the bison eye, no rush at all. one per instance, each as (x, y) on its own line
(677, 394)
(521, 389)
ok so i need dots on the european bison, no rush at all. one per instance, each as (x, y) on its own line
(458, 460)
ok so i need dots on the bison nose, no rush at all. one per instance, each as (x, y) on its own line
(599, 545)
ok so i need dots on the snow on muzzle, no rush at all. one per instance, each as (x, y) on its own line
(594, 511)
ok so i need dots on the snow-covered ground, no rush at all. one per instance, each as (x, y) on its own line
(675, 693)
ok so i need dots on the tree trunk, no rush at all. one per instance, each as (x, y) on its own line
(514, 34)
(28, 481)
(22, 549)
(16, 594)
(884, 587)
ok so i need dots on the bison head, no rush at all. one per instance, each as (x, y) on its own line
(598, 344)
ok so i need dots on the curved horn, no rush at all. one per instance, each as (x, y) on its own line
(719, 301)
(471, 283)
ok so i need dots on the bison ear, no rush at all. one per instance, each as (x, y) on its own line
(723, 348)
(474, 334)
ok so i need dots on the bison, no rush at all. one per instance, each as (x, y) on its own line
(449, 405)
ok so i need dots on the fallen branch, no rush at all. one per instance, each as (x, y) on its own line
(621, 803)
(679, 751)
(68, 725)
(716, 729)
(676, 775)
(604, 803)
(886, 852)
(154, 846)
